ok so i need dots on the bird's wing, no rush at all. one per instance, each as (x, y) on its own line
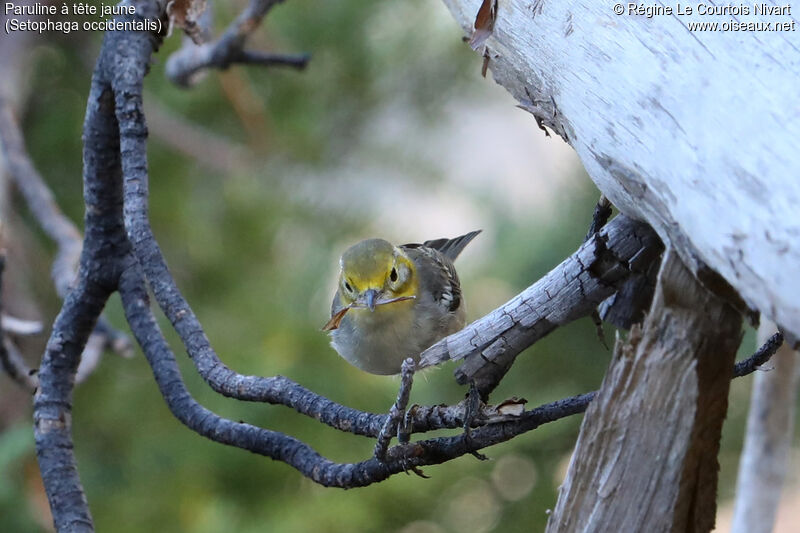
(440, 275)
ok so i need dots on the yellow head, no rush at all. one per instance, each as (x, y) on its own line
(374, 272)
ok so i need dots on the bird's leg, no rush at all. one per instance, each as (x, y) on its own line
(472, 410)
(404, 429)
(404, 436)
(397, 411)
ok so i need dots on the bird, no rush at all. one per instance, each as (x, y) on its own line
(393, 302)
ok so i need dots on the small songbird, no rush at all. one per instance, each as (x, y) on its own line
(393, 302)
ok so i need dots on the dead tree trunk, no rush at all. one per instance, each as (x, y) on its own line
(646, 458)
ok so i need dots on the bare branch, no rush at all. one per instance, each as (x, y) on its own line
(18, 326)
(571, 290)
(761, 356)
(104, 248)
(52, 406)
(14, 365)
(264, 59)
(184, 64)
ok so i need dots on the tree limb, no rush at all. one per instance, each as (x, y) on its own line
(762, 355)
(98, 275)
(183, 65)
(571, 290)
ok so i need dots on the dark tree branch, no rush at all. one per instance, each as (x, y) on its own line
(52, 406)
(761, 356)
(264, 59)
(98, 276)
(184, 64)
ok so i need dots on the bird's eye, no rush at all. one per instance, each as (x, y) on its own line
(393, 275)
(348, 287)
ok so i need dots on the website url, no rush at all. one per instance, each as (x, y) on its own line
(734, 25)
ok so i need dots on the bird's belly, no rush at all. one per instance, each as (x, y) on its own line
(379, 345)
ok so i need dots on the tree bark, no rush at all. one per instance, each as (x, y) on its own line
(622, 251)
(646, 458)
(695, 132)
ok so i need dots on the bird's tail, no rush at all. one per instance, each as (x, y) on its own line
(452, 247)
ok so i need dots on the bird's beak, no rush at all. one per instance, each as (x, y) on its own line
(370, 295)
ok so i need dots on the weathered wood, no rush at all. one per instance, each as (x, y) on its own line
(622, 249)
(696, 132)
(646, 458)
(768, 440)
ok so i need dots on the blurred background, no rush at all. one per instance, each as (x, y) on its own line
(259, 180)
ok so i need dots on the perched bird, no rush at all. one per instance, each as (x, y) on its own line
(393, 302)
